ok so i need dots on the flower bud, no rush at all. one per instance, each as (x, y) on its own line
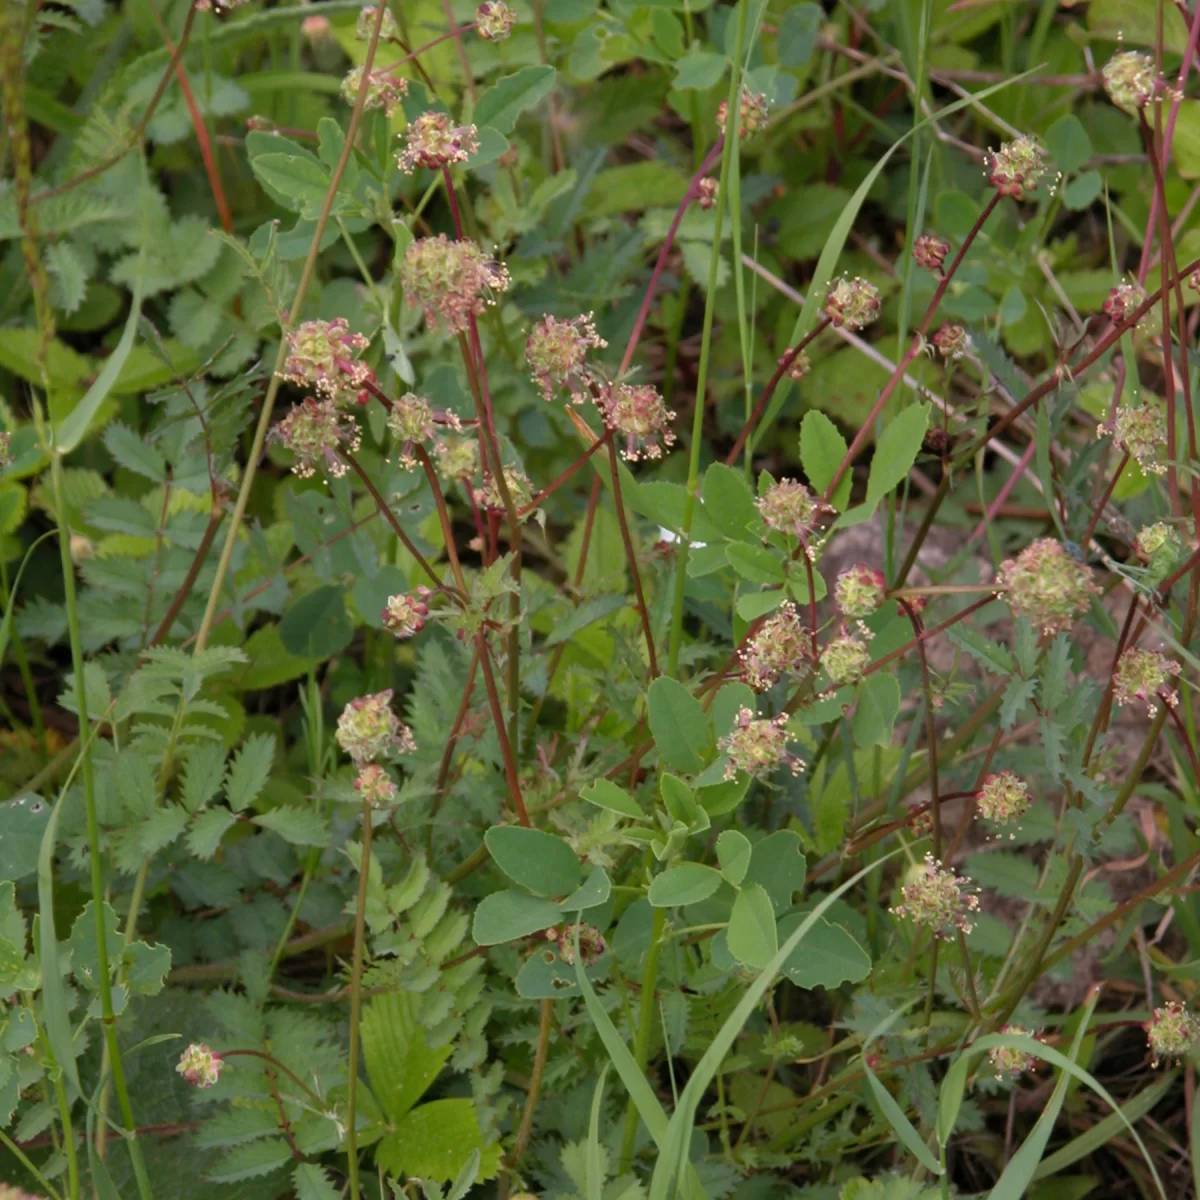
(799, 366)
(315, 29)
(1123, 301)
(316, 431)
(324, 355)
(1141, 431)
(1131, 80)
(706, 192)
(929, 251)
(951, 341)
(405, 615)
(457, 458)
(779, 648)
(520, 490)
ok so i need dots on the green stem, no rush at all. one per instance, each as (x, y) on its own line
(641, 1040)
(364, 870)
(306, 276)
(25, 1161)
(93, 832)
(18, 647)
(732, 109)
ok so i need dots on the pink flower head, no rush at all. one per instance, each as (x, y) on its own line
(929, 251)
(1131, 80)
(1016, 168)
(1171, 1032)
(1048, 585)
(494, 20)
(200, 1066)
(384, 90)
(939, 899)
(951, 341)
(556, 352)
(316, 431)
(1123, 301)
(752, 112)
(375, 786)
(315, 29)
(324, 355)
(1144, 676)
(368, 729)
(450, 281)
(758, 746)
(706, 191)
(405, 615)
(1003, 798)
(780, 647)
(1007, 1061)
(1141, 431)
(640, 415)
(432, 140)
(852, 303)
(789, 507)
(457, 458)
(859, 590)
(520, 490)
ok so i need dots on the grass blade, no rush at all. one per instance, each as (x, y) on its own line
(10, 608)
(595, 1168)
(901, 1125)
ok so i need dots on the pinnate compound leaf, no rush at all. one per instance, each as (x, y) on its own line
(207, 831)
(435, 1141)
(400, 1063)
(312, 1183)
(252, 1160)
(133, 452)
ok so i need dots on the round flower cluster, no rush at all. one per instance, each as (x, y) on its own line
(1123, 301)
(389, 31)
(8, 1192)
(1003, 798)
(457, 458)
(1130, 80)
(938, 898)
(859, 590)
(5, 449)
(368, 729)
(706, 192)
(752, 112)
(324, 355)
(1141, 431)
(494, 20)
(951, 341)
(800, 365)
(315, 431)
(450, 281)
(789, 507)
(1009, 1061)
(1172, 1032)
(758, 746)
(410, 420)
(1145, 676)
(556, 352)
(591, 943)
(852, 303)
(641, 416)
(405, 615)
(432, 140)
(779, 648)
(1048, 585)
(845, 659)
(384, 90)
(200, 1066)
(1160, 548)
(520, 489)
(929, 251)
(375, 786)
(1015, 169)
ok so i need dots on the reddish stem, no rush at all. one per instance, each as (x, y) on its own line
(553, 487)
(866, 430)
(506, 750)
(644, 612)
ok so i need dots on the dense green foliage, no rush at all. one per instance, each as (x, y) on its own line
(553, 642)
